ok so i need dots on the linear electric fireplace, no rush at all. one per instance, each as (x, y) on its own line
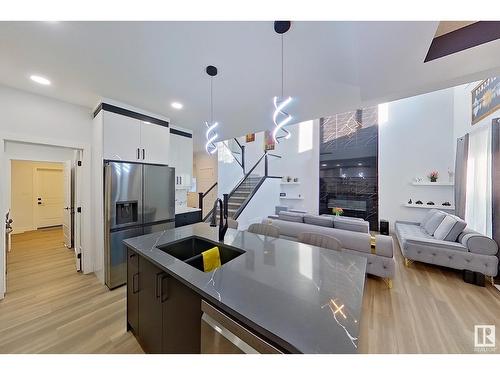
(348, 165)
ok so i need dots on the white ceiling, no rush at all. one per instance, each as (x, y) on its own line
(329, 66)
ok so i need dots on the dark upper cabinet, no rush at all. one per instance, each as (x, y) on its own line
(163, 313)
(132, 290)
(150, 307)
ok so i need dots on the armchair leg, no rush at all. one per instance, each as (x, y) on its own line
(408, 262)
(388, 282)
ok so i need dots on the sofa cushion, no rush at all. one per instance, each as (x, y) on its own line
(291, 216)
(352, 224)
(427, 216)
(322, 221)
(433, 222)
(408, 230)
(450, 228)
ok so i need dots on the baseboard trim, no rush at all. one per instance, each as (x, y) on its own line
(23, 230)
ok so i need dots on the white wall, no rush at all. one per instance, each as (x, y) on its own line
(262, 204)
(417, 137)
(462, 115)
(299, 158)
(36, 119)
(229, 170)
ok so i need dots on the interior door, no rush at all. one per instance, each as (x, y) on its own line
(206, 178)
(68, 205)
(49, 197)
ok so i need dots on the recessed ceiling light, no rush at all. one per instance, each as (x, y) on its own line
(176, 105)
(337, 165)
(323, 165)
(360, 164)
(40, 80)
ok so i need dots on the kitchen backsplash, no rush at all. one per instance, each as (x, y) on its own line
(181, 197)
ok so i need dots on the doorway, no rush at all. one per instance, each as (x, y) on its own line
(44, 196)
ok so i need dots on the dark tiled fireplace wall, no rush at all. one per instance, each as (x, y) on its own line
(348, 166)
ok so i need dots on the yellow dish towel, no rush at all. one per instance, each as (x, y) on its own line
(211, 259)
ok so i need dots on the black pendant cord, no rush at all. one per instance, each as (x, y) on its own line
(211, 101)
(282, 64)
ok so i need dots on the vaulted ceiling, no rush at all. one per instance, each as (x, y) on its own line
(330, 67)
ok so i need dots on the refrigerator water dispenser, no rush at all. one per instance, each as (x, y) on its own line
(126, 212)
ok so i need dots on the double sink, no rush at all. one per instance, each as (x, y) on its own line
(189, 251)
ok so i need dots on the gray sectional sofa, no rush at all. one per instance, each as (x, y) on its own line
(445, 240)
(353, 235)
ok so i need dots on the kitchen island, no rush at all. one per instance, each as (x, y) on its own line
(298, 298)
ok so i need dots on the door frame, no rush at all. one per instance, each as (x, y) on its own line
(83, 195)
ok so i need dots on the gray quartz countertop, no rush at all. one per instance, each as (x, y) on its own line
(303, 298)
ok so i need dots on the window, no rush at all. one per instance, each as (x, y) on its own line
(305, 136)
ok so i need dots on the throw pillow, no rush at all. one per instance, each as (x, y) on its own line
(427, 216)
(322, 221)
(433, 222)
(450, 228)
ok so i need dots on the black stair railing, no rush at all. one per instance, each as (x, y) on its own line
(201, 196)
(264, 157)
(240, 151)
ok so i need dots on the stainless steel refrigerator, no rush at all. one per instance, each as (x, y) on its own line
(138, 199)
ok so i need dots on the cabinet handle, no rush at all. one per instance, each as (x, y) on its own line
(135, 283)
(163, 295)
(143, 154)
(157, 287)
(138, 153)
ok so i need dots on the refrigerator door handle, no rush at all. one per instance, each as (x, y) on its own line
(138, 153)
(107, 219)
(143, 154)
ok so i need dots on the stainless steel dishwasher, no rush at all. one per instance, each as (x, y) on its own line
(221, 334)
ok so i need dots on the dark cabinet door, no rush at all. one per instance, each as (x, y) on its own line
(181, 327)
(132, 291)
(150, 311)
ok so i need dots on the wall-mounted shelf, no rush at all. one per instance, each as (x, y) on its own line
(439, 206)
(292, 198)
(428, 183)
(290, 183)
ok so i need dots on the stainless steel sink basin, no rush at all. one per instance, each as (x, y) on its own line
(189, 251)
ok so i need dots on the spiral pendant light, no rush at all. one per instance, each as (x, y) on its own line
(280, 117)
(211, 134)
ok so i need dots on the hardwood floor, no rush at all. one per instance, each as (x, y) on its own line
(429, 310)
(50, 308)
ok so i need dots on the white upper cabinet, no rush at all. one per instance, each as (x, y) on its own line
(154, 143)
(181, 157)
(121, 137)
(128, 139)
